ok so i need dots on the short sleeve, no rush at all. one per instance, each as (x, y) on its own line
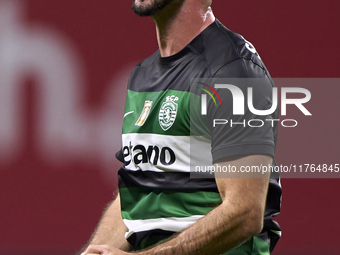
(237, 133)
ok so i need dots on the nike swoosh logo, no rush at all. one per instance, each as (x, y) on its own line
(126, 114)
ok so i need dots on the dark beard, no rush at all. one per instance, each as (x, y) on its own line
(151, 9)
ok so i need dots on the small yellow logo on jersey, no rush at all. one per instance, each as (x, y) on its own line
(145, 113)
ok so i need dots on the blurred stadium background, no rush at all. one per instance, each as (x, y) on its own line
(63, 72)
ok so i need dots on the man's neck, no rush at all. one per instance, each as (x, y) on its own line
(179, 23)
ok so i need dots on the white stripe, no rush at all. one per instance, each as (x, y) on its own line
(126, 114)
(168, 224)
(187, 149)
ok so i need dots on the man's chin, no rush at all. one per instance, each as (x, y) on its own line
(148, 7)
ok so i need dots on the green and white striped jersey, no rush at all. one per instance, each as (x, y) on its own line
(158, 197)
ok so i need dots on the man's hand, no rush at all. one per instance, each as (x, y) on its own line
(103, 250)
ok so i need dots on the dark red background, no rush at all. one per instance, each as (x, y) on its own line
(49, 208)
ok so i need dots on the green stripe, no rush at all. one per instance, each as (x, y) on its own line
(140, 203)
(135, 102)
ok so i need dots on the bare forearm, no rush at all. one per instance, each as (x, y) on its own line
(238, 218)
(216, 233)
(111, 228)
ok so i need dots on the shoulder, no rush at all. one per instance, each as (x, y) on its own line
(148, 61)
(227, 51)
(141, 71)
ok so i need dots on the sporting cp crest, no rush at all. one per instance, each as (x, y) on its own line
(168, 112)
